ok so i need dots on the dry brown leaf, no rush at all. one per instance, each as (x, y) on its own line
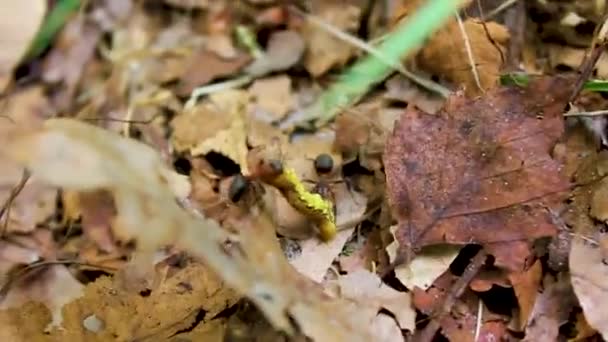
(399, 88)
(426, 267)
(285, 48)
(487, 278)
(205, 66)
(551, 310)
(54, 286)
(385, 329)
(36, 201)
(218, 125)
(272, 96)
(445, 54)
(561, 56)
(324, 51)
(19, 24)
(501, 177)
(368, 289)
(97, 211)
(589, 274)
(260, 133)
(526, 285)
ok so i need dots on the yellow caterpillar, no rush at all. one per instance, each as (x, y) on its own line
(318, 209)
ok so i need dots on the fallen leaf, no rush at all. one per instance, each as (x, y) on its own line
(284, 50)
(461, 323)
(362, 132)
(588, 274)
(218, 125)
(97, 211)
(487, 278)
(526, 285)
(456, 65)
(426, 267)
(35, 202)
(550, 310)
(19, 25)
(323, 50)
(566, 57)
(399, 88)
(197, 73)
(272, 95)
(54, 286)
(500, 178)
(386, 329)
(367, 288)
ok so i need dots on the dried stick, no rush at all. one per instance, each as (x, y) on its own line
(428, 333)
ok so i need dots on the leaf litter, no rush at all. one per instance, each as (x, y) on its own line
(154, 189)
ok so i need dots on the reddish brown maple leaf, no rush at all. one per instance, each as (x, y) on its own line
(480, 171)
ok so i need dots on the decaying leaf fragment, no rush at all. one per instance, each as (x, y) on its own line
(480, 171)
(217, 125)
(589, 275)
(325, 51)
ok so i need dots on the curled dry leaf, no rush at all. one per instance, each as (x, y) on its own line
(285, 48)
(399, 88)
(426, 267)
(205, 66)
(97, 211)
(218, 125)
(446, 55)
(501, 175)
(35, 202)
(54, 286)
(561, 56)
(19, 24)
(551, 310)
(589, 274)
(526, 285)
(272, 96)
(368, 289)
(324, 51)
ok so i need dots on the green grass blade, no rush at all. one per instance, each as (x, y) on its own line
(356, 82)
(55, 20)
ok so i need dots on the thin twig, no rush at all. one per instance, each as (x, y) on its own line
(487, 32)
(469, 50)
(591, 113)
(369, 48)
(6, 208)
(500, 8)
(479, 319)
(588, 64)
(212, 88)
(428, 333)
(22, 272)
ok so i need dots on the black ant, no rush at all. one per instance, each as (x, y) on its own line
(324, 167)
